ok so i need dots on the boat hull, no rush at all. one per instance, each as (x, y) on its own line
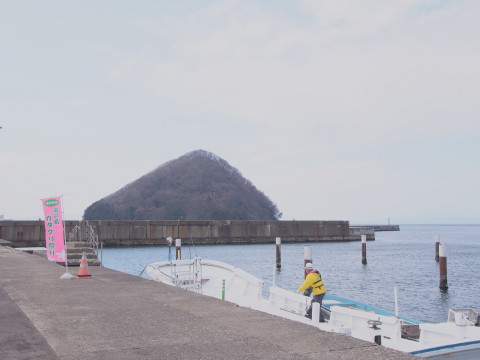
(458, 338)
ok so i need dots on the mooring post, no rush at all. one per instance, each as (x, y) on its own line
(437, 241)
(278, 244)
(442, 252)
(178, 249)
(364, 249)
(307, 258)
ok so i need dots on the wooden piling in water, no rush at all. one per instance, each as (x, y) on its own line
(278, 244)
(178, 249)
(442, 252)
(437, 242)
(307, 258)
(364, 249)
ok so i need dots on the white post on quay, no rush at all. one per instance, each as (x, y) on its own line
(316, 313)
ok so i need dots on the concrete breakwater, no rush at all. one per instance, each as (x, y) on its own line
(154, 232)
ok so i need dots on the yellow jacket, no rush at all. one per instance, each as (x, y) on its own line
(313, 280)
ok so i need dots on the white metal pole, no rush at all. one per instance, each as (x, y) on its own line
(274, 274)
(316, 313)
(67, 275)
(395, 291)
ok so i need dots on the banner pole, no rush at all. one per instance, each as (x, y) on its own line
(67, 275)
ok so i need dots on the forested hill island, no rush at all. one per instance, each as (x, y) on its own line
(196, 186)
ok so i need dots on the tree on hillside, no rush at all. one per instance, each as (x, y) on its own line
(196, 186)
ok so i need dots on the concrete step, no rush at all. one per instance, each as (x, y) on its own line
(75, 252)
(73, 260)
(79, 255)
(75, 256)
(80, 251)
(76, 262)
(77, 244)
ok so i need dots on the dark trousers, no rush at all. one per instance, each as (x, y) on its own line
(318, 299)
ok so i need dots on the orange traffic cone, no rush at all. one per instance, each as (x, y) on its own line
(83, 271)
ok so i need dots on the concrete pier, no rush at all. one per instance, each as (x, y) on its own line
(150, 232)
(119, 316)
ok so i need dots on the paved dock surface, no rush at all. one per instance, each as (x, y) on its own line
(118, 316)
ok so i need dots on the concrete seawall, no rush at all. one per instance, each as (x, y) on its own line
(133, 233)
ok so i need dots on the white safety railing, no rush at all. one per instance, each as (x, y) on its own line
(90, 238)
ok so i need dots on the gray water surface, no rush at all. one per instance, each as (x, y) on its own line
(405, 258)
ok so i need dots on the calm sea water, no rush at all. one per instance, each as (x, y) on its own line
(405, 258)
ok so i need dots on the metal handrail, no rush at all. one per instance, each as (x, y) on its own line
(75, 234)
(90, 237)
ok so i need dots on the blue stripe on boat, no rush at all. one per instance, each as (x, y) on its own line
(362, 306)
(445, 347)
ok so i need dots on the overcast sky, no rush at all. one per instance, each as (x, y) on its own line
(336, 110)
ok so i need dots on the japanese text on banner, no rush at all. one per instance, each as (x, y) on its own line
(54, 237)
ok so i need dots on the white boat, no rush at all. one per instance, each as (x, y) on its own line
(211, 278)
(457, 338)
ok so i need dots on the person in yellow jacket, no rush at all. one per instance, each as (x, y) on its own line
(315, 282)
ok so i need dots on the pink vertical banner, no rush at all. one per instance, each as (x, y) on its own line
(55, 243)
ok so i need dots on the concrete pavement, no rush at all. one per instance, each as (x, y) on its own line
(118, 316)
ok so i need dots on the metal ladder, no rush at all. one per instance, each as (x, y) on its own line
(187, 274)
